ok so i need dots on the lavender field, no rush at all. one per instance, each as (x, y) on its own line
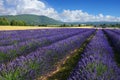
(35, 54)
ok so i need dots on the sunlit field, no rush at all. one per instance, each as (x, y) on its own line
(56, 40)
(40, 53)
(34, 27)
(20, 27)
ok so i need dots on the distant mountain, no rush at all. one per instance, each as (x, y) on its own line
(33, 19)
(41, 20)
(93, 23)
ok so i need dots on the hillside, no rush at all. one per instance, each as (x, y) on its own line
(93, 23)
(33, 19)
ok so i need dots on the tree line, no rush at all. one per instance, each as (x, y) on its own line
(108, 25)
(6, 22)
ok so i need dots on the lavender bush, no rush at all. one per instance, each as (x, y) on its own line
(24, 48)
(97, 62)
(41, 61)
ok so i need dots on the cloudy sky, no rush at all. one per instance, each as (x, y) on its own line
(65, 10)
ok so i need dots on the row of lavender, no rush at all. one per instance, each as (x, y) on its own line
(9, 52)
(114, 38)
(97, 61)
(42, 60)
(14, 37)
(115, 30)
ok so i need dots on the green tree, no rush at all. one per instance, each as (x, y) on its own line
(4, 21)
(17, 23)
(79, 25)
(13, 23)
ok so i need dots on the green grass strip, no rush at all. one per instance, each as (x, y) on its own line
(70, 63)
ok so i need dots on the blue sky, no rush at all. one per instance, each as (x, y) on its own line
(65, 10)
(107, 7)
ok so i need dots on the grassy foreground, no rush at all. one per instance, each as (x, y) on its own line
(34, 27)
(66, 65)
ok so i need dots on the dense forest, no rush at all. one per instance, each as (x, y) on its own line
(6, 22)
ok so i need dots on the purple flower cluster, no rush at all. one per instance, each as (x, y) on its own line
(24, 48)
(13, 37)
(42, 60)
(97, 62)
(114, 36)
(115, 30)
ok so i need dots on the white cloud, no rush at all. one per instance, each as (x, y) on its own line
(80, 16)
(2, 9)
(40, 8)
(26, 7)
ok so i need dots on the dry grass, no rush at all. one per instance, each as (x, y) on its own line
(19, 27)
(33, 27)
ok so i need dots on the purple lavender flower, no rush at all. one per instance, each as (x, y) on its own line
(97, 61)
